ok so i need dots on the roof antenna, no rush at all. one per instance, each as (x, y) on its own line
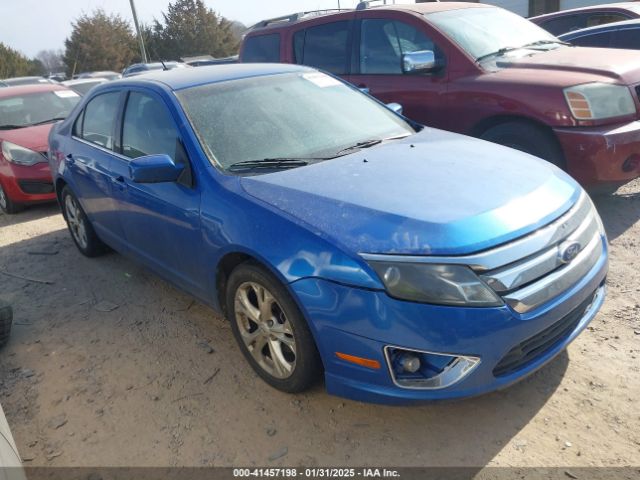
(164, 67)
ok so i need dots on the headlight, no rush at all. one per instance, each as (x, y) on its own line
(438, 284)
(20, 155)
(596, 101)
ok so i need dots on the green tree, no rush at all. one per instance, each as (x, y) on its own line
(190, 28)
(99, 42)
(14, 64)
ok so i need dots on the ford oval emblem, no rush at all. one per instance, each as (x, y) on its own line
(568, 251)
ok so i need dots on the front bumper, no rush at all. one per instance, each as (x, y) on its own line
(602, 155)
(24, 184)
(362, 322)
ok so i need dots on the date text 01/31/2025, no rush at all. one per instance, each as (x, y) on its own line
(316, 472)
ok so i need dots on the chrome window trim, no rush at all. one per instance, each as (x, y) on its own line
(508, 253)
(100, 147)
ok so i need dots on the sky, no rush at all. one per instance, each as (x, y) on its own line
(33, 25)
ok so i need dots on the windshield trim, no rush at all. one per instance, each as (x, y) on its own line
(313, 158)
(432, 18)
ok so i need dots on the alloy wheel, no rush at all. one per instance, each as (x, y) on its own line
(265, 330)
(3, 198)
(76, 221)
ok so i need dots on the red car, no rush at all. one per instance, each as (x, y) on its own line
(479, 70)
(566, 21)
(26, 115)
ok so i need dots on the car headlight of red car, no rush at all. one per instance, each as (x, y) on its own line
(21, 155)
(597, 101)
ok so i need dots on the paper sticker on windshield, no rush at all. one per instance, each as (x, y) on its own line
(321, 80)
(65, 93)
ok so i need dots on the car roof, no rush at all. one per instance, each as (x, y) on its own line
(180, 78)
(607, 27)
(629, 6)
(301, 17)
(431, 7)
(31, 88)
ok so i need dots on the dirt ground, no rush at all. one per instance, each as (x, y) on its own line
(110, 366)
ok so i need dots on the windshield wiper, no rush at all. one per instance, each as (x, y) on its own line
(359, 145)
(270, 163)
(529, 46)
(545, 42)
(12, 127)
(497, 53)
(367, 144)
(55, 119)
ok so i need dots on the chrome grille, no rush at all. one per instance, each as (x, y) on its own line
(535, 279)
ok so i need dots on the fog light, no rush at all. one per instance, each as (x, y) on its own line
(409, 362)
(427, 370)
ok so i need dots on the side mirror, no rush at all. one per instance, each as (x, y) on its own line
(422, 61)
(395, 108)
(154, 169)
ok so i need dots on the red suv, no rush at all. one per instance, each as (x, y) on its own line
(479, 70)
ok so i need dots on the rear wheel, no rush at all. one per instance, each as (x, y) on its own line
(7, 205)
(81, 230)
(528, 138)
(270, 330)
(6, 318)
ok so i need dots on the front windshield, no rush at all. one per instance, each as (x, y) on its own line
(304, 115)
(36, 108)
(483, 31)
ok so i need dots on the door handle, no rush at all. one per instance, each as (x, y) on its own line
(118, 182)
(70, 159)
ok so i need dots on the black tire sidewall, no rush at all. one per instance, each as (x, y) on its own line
(308, 363)
(527, 138)
(11, 207)
(94, 246)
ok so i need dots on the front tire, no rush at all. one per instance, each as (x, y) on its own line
(270, 330)
(528, 138)
(79, 225)
(7, 205)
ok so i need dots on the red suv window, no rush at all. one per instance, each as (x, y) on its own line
(324, 46)
(262, 48)
(383, 42)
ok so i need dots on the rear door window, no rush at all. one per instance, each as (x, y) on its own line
(99, 120)
(564, 24)
(604, 18)
(601, 40)
(629, 38)
(262, 48)
(325, 47)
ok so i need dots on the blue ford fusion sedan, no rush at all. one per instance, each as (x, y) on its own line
(400, 262)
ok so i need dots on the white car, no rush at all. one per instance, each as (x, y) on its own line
(83, 85)
(10, 464)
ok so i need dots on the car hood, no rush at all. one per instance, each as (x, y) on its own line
(616, 64)
(432, 193)
(35, 138)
